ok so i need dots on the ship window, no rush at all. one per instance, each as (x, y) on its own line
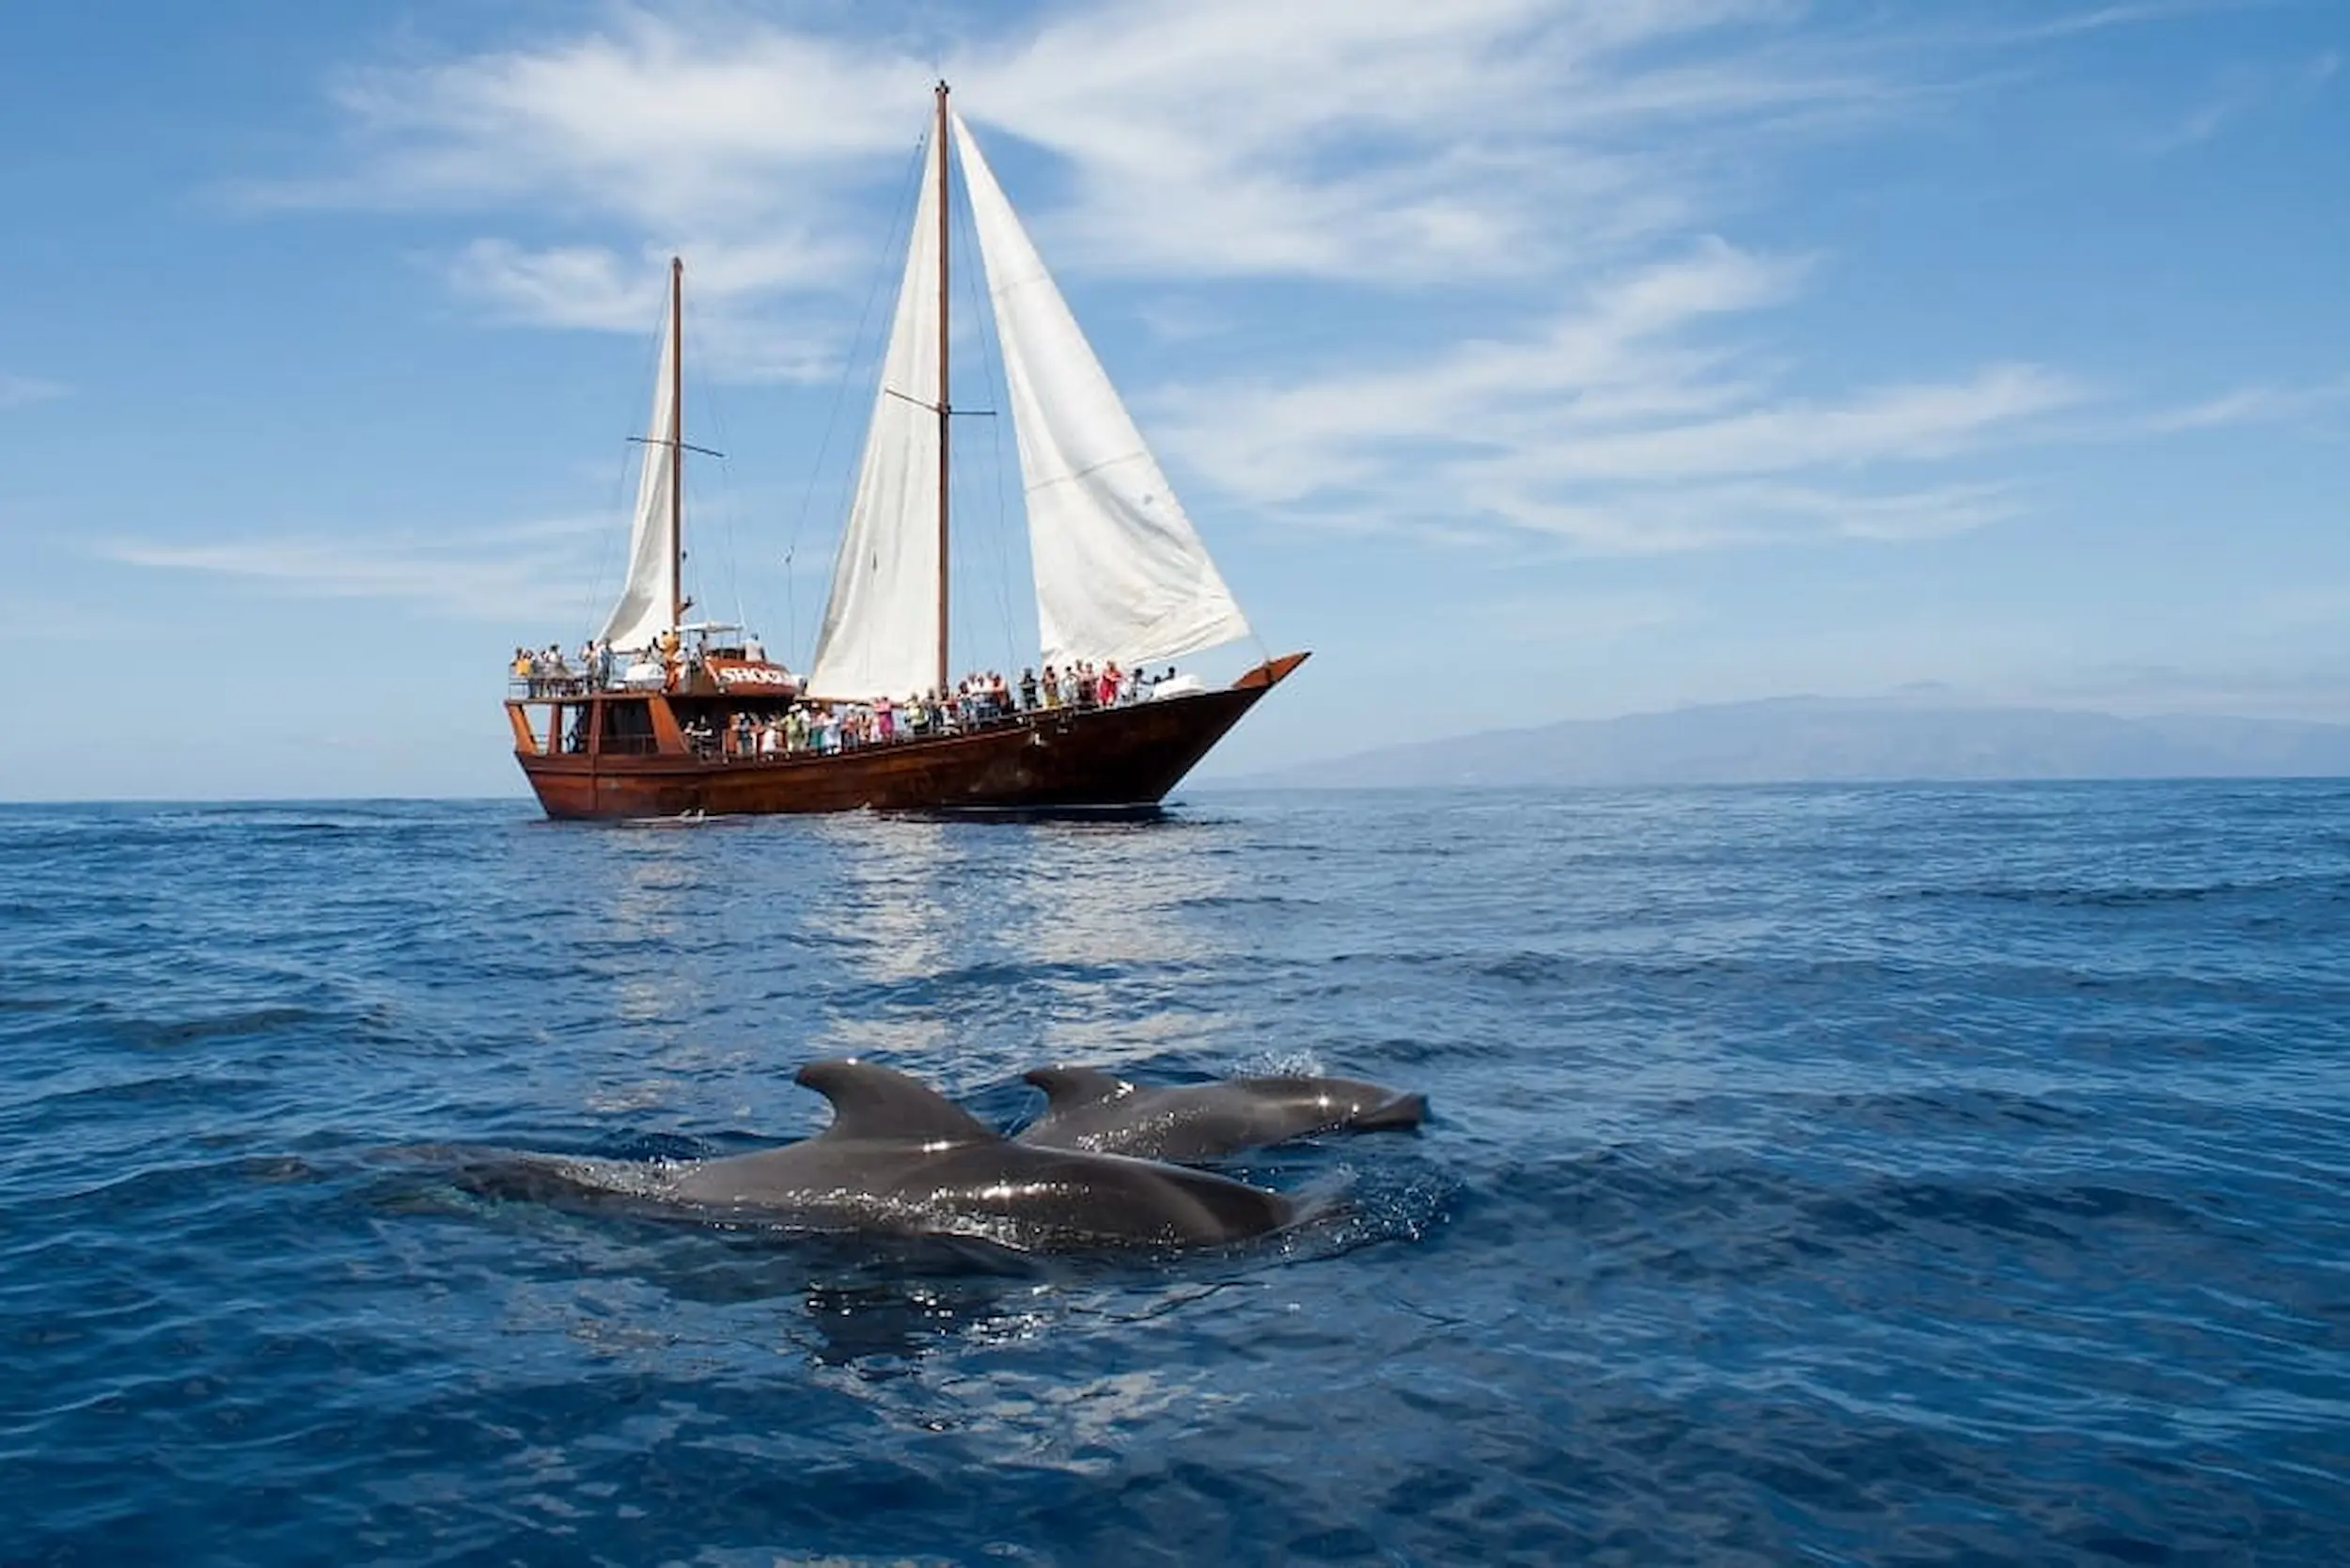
(628, 727)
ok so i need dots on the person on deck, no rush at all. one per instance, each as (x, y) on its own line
(1027, 691)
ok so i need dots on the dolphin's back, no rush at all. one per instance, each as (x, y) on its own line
(901, 1159)
(1198, 1121)
(1111, 1198)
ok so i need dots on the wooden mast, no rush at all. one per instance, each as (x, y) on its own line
(677, 441)
(945, 411)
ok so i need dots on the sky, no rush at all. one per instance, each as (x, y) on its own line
(1524, 359)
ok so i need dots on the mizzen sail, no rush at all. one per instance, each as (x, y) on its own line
(1120, 574)
(649, 598)
(880, 637)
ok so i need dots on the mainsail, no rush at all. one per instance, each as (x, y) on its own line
(880, 637)
(1120, 574)
(648, 605)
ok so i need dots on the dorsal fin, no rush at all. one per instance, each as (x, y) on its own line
(869, 1102)
(1067, 1088)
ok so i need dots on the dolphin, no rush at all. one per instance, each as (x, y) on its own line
(1102, 1113)
(900, 1159)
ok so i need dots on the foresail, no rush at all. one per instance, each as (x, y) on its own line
(649, 595)
(1120, 574)
(880, 637)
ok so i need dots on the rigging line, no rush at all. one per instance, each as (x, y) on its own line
(983, 329)
(727, 499)
(902, 213)
(615, 498)
(973, 557)
(708, 388)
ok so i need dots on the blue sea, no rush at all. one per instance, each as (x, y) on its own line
(1842, 1175)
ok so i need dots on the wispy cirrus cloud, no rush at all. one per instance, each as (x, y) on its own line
(1484, 138)
(1588, 619)
(1548, 174)
(24, 391)
(1612, 427)
(595, 289)
(2243, 89)
(2251, 405)
(512, 575)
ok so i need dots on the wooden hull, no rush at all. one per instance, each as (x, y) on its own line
(1051, 760)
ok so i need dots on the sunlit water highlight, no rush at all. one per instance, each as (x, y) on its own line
(1847, 1175)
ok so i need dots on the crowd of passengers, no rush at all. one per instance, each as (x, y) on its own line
(978, 700)
(546, 673)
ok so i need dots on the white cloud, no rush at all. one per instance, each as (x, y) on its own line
(2243, 89)
(1545, 172)
(1381, 140)
(573, 286)
(24, 391)
(1611, 360)
(2250, 405)
(593, 287)
(512, 575)
(1588, 619)
(1609, 427)
(1890, 424)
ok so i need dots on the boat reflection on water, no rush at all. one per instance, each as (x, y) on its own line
(969, 952)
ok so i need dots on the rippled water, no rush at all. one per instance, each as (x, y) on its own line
(1848, 1175)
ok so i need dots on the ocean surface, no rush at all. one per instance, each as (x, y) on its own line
(1892, 1174)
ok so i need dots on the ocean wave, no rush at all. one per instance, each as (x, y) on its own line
(1857, 1174)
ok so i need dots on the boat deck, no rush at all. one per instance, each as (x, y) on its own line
(637, 754)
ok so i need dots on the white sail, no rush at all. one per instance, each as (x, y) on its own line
(1120, 574)
(649, 598)
(880, 637)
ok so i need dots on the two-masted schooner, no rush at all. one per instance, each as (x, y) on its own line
(681, 717)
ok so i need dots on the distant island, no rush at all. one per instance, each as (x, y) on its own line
(1824, 740)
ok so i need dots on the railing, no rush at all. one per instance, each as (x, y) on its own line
(726, 750)
(954, 721)
(546, 688)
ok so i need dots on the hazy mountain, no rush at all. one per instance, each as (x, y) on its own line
(1803, 739)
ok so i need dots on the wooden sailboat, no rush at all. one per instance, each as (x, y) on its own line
(1121, 580)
